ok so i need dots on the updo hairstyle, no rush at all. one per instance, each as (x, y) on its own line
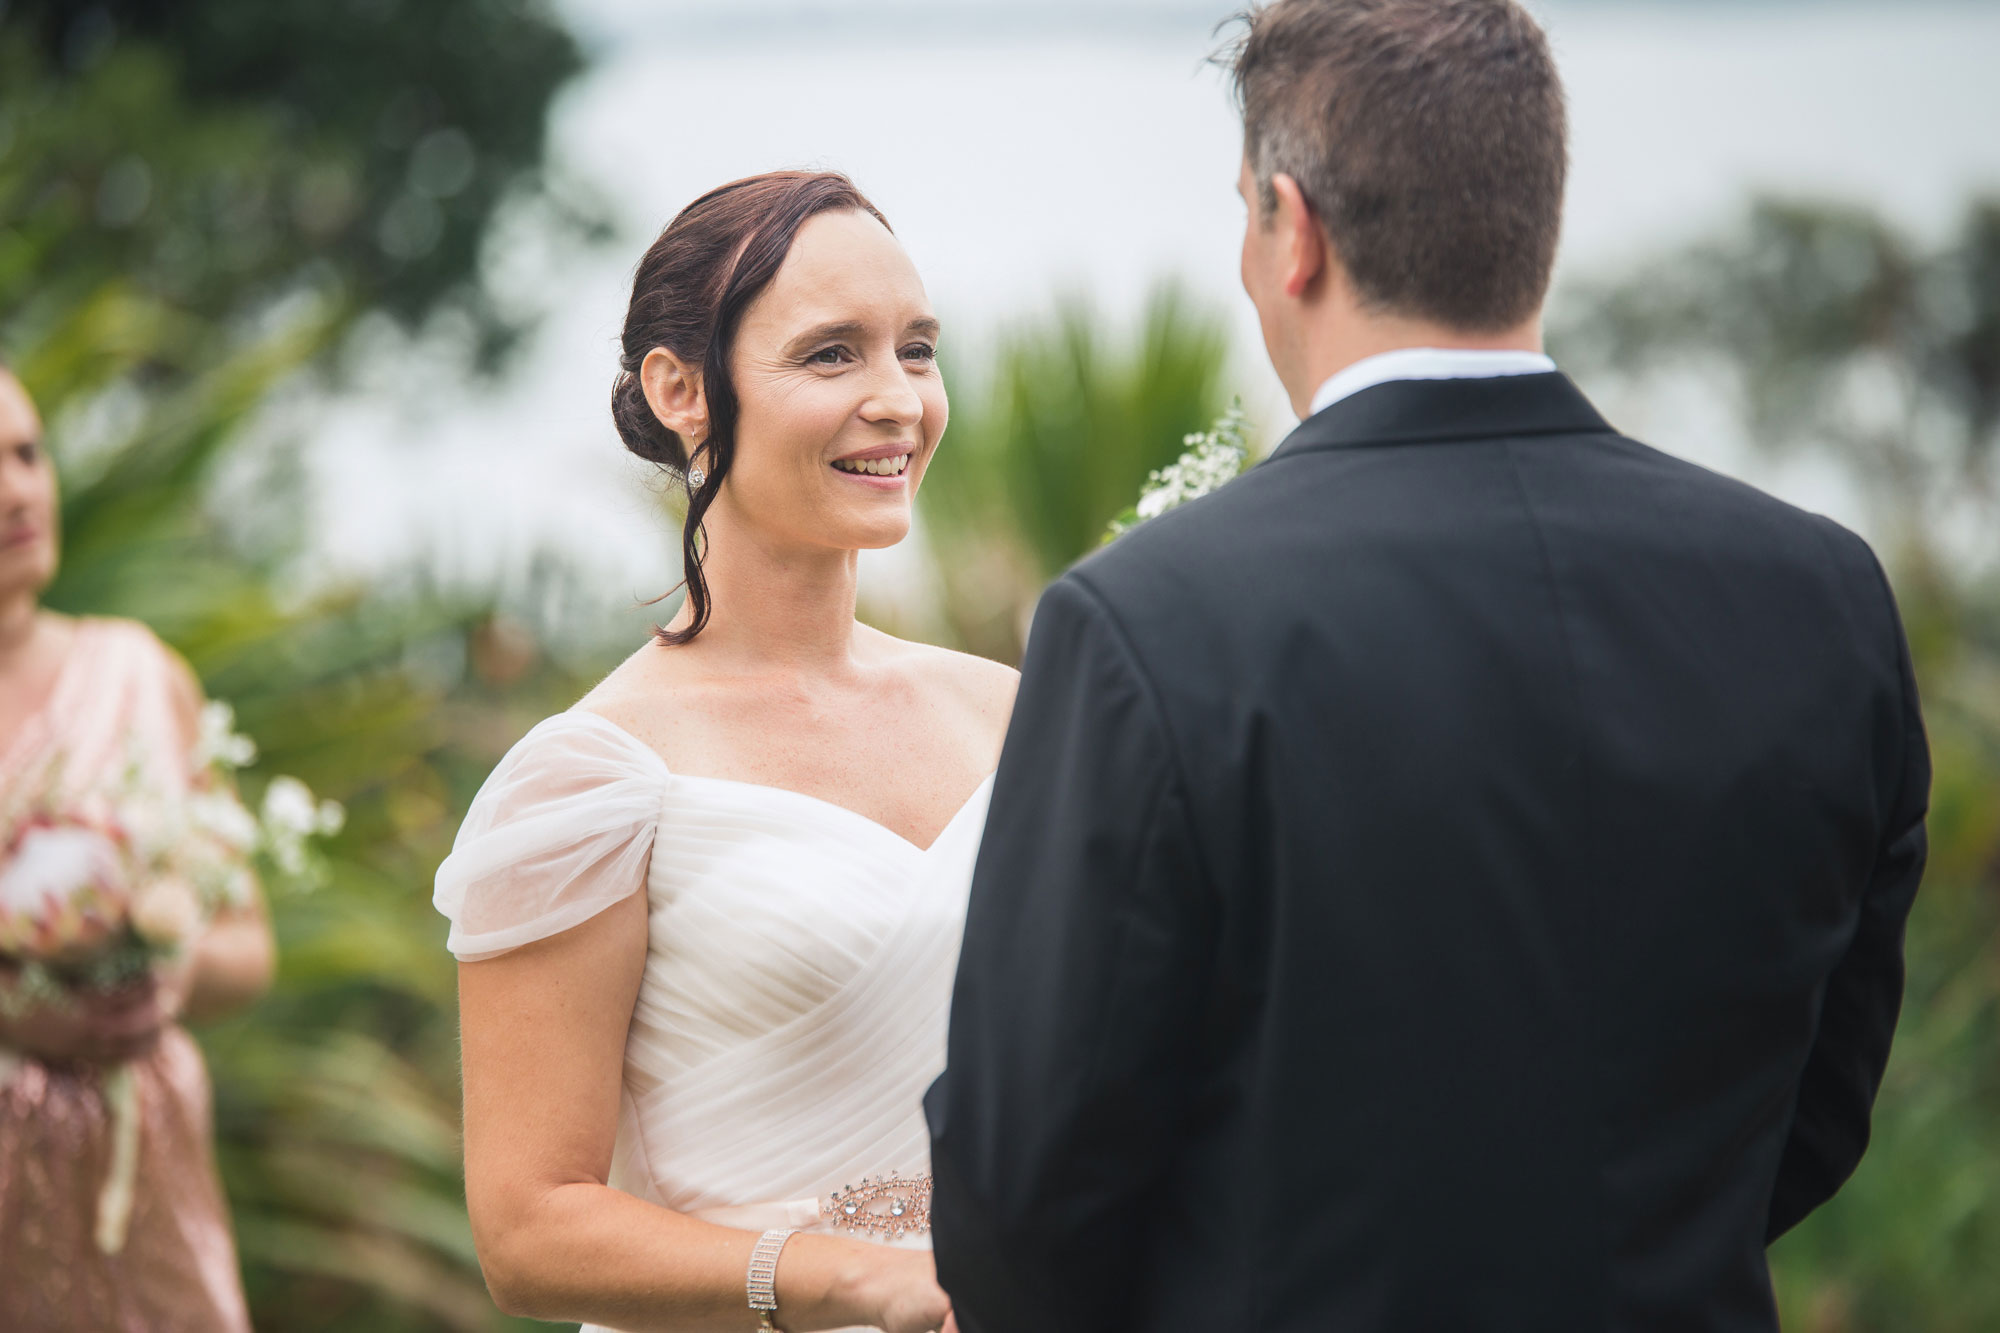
(688, 296)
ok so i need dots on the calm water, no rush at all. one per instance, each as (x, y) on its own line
(1025, 150)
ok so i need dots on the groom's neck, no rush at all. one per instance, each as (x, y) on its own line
(1338, 339)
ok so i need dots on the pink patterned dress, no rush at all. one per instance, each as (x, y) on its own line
(177, 1271)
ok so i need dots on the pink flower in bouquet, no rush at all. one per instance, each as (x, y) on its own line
(62, 889)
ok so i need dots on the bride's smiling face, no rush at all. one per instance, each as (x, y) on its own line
(839, 401)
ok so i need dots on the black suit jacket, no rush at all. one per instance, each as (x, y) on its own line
(1451, 880)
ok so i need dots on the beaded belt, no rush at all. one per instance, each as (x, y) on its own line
(889, 1206)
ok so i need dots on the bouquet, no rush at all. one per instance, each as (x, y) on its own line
(96, 893)
(1212, 458)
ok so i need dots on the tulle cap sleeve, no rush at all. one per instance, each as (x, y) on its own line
(562, 830)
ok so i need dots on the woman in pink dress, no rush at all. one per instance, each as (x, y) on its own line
(85, 699)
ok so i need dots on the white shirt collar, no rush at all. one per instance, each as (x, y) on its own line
(1427, 363)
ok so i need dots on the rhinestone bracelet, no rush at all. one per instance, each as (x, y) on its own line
(762, 1280)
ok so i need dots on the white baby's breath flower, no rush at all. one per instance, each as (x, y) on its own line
(155, 826)
(292, 816)
(237, 888)
(220, 745)
(222, 817)
(332, 818)
(288, 853)
(1210, 459)
(1157, 501)
(289, 807)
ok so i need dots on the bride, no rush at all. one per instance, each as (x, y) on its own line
(707, 919)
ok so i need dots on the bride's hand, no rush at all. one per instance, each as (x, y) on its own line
(908, 1298)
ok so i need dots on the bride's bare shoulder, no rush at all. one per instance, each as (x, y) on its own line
(652, 694)
(986, 683)
(631, 677)
(981, 686)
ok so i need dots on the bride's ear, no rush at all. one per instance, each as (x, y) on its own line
(673, 390)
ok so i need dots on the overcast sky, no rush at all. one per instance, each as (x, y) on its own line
(1026, 148)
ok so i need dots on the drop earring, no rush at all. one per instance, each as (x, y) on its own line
(695, 477)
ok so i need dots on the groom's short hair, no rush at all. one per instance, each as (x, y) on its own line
(1430, 138)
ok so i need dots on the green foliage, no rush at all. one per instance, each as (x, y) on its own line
(223, 155)
(1056, 442)
(1829, 332)
(196, 200)
(337, 1096)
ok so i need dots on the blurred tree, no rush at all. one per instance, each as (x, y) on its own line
(196, 200)
(1053, 441)
(1828, 332)
(221, 156)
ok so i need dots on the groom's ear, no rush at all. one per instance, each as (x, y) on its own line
(673, 391)
(1301, 243)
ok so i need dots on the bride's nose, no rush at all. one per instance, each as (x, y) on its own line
(891, 398)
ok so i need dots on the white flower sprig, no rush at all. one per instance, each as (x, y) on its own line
(287, 822)
(1212, 458)
(220, 745)
(291, 817)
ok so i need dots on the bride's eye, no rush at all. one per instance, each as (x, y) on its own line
(829, 356)
(923, 352)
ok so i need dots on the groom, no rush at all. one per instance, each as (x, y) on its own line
(1453, 879)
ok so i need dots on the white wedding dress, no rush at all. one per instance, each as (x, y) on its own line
(798, 971)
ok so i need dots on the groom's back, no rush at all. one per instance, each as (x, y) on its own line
(1452, 880)
(1544, 780)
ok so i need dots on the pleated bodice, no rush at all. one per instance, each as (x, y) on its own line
(798, 974)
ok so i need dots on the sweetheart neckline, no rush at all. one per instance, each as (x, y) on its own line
(821, 801)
